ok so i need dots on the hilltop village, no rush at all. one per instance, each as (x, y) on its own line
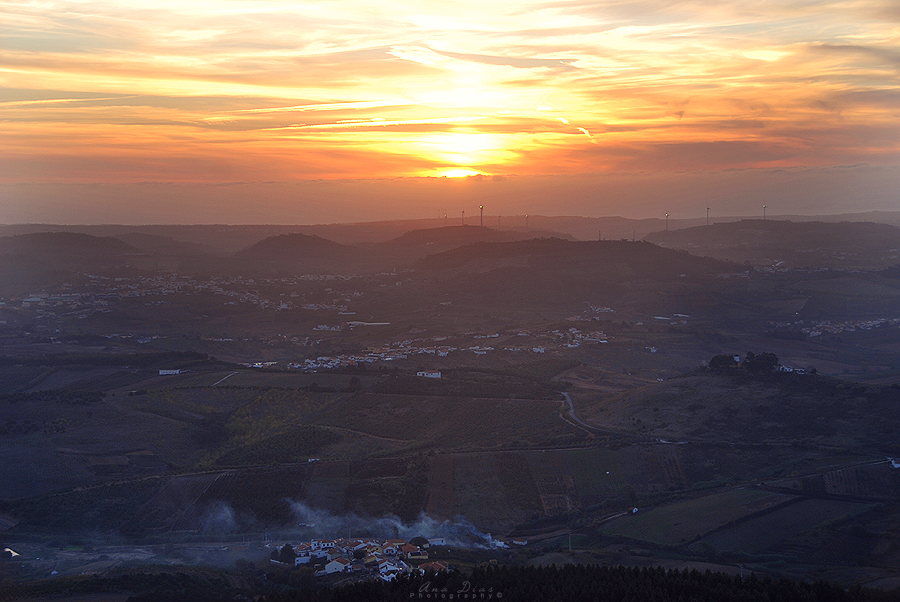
(368, 557)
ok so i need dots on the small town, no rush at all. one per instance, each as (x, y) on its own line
(381, 559)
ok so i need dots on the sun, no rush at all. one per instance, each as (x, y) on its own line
(460, 154)
(461, 148)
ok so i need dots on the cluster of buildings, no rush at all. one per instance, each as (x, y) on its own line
(237, 289)
(818, 328)
(383, 559)
(404, 349)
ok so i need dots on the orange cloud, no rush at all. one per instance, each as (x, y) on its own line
(245, 90)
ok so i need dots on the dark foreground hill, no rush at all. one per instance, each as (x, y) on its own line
(566, 583)
(790, 244)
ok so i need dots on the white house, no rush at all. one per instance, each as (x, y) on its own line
(338, 565)
(303, 554)
(390, 550)
(429, 373)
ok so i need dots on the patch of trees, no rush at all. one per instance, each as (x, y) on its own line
(578, 583)
(284, 554)
(171, 587)
(752, 362)
(762, 362)
(301, 577)
(572, 583)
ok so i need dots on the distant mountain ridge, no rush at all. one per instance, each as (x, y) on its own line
(65, 248)
(790, 244)
(296, 253)
(542, 275)
(298, 246)
(230, 238)
(639, 258)
(415, 244)
(164, 245)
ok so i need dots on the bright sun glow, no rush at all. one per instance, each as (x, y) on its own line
(461, 147)
(461, 153)
(458, 173)
(114, 91)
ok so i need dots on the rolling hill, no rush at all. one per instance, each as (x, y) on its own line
(559, 275)
(790, 244)
(304, 252)
(68, 249)
(419, 243)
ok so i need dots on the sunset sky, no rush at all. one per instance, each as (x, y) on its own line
(232, 111)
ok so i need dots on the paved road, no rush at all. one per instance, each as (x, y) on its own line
(575, 418)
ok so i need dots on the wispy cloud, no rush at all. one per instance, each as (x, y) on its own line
(377, 122)
(546, 86)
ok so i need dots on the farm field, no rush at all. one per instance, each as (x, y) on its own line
(47, 444)
(451, 422)
(491, 489)
(780, 525)
(679, 523)
(256, 378)
(597, 472)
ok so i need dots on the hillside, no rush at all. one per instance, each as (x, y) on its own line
(559, 275)
(769, 408)
(19, 274)
(67, 248)
(638, 260)
(790, 244)
(164, 245)
(419, 243)
(304, 253)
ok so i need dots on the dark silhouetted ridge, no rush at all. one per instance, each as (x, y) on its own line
(298, 246)
(794, 244)
(67, 248)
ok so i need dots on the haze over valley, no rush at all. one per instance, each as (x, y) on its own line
(341, 300)
(161, 386)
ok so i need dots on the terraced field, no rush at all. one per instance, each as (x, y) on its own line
(451, 422)
(781, 525)
(683, 522)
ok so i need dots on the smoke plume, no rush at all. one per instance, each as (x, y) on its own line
(458, 533)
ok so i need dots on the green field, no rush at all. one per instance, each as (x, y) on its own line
(676, 524)
(759, 534)
(255, 378)
(597, 472)
(451, 422)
